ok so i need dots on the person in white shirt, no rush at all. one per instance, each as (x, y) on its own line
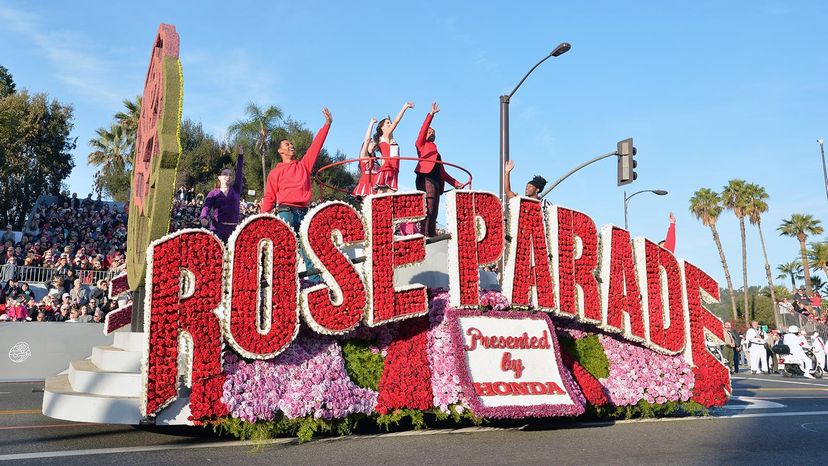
(795, 342)
(819, 349)
(756, 347)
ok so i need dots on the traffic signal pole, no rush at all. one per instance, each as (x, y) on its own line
(570, 172)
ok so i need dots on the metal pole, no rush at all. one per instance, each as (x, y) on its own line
(504, 145)
(625, 210)
(570, 172)
(824, 171)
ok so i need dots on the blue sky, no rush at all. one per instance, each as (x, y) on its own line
(710, 90)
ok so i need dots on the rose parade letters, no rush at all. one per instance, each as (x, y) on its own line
(556, 261)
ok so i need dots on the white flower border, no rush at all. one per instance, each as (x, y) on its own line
(511, 262)
(481, 232)
(334, 288)
(367, 205)
(148, 321)
(227, 294)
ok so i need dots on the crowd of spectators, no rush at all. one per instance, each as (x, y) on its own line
(67, 300)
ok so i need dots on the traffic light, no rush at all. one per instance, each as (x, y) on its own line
(626, 162)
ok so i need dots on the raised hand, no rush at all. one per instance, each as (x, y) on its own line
(510, 165)
(672, 218)
(373, 121)
(409, 105)
(434, 108)
(327, 113)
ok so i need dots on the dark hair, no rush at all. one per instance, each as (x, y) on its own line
(379, 130)
(538, 182)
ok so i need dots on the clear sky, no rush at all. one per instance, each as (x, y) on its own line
(710, 90)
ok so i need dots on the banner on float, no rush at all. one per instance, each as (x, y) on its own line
(511, 365)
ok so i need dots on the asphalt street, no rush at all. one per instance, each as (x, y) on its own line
(770, 420)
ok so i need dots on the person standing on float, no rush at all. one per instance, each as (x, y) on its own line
(431, 175)
(756, 347)
(221, 207)
(384, 138)
(368, 165)
(288, 187)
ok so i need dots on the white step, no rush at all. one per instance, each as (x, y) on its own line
(89, 378)
(60, 401)
(129, 341)
(114, 359)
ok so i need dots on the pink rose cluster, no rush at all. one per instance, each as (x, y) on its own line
(636, 374)
(308, 379)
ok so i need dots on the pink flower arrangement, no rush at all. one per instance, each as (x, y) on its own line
(307, 379)
(639, 374)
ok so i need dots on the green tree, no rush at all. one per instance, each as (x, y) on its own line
(818, 284)
(755, 207)
(706, 206)
(735, 198)
(792, 269)
(6, 82)
(818, 256)
(256, 128)
(799, 226)
(111, 154)
(128, 120)
(202, 158)
(35, 151)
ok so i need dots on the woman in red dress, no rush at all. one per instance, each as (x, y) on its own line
(384, 138)
(368, 165)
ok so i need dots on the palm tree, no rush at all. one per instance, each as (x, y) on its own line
(818, 256)
(792, 269)
(706, 206)
(756, 206)
(735, 199)
(128, 120)
(800, 226)
(110, 152)
(257, 127)
(818, 284)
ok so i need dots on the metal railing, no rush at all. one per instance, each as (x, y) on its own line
(45, 274)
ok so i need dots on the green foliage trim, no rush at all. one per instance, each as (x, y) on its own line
(304, 428)
(589, 353)
(363, 366)
(644, 409)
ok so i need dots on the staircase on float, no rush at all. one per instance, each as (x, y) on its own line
(106, 388)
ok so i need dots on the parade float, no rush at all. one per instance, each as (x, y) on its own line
(585, 321)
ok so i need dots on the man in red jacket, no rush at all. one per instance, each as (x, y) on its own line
(431, 176)
(288, 186)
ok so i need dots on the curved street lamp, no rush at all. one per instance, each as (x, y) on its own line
(658, 192)
(561, 49)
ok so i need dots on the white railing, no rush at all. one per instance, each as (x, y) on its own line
(45, 274)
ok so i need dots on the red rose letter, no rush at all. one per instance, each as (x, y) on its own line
(621, 295)
(337, 307)
(576, 238)
(262, 323)
(475, 221)
(663, 299)
(184, 277)
(528, 278)
(383, 212)
(712, 377)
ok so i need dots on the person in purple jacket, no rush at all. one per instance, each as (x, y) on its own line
(221, 207)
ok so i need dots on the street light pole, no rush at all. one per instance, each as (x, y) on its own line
(824, 171)
(658, 192)
(561, 49)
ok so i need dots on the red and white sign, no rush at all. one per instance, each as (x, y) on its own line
(511, 365)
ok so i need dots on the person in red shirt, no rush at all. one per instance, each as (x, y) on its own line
(669, 242)
(288, 187)
(384, 138)
(431, 176)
